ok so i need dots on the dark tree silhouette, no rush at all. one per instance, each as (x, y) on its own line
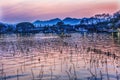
(60, 23)
(2, 28)
(24, 27)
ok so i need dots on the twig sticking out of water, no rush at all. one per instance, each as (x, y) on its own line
(101, 75)
(51, 73)
(117, 76)
(107, 69)
(17, 74)
(68, 75)
(75, 75)
(4, 76)
(41, 73)
(2, 71)
(32, 74)
(93, 75)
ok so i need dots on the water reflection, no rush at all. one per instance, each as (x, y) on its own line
(89, 56)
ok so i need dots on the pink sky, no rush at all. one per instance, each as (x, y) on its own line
(30, 10)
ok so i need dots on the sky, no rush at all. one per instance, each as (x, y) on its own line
(30, 10)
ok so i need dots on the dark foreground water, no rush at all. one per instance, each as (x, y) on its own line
(93, 56)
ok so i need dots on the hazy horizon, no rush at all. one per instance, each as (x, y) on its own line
(29, 10)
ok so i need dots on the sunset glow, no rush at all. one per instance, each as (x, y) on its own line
(29, 10)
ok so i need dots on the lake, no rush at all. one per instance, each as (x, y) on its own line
(82, 56)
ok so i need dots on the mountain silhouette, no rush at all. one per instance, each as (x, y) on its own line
(48, 22)
(71, 21)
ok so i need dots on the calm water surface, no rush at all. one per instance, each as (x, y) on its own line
(93, 56)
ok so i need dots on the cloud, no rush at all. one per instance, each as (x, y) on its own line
(21, 10)
(0, 13)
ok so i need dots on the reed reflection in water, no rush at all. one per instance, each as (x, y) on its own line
(89, 56)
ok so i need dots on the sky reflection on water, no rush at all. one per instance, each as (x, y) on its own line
(93, 56)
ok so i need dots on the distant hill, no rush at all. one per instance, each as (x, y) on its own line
(48, 22)
(68, 20)
(71, 21)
